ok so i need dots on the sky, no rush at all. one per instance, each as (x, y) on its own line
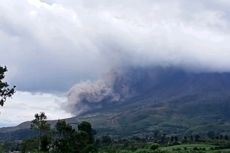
(24, 105)
(51, 45)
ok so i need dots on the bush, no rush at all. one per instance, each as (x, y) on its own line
(154, 146)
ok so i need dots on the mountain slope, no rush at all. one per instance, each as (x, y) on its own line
(169, 100)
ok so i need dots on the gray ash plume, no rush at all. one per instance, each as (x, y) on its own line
(157, 82)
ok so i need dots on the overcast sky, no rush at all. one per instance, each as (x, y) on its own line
(50, 45)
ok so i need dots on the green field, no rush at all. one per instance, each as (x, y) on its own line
(182, 148)
(194, 148)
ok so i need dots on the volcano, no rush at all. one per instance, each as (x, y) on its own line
(169, 100)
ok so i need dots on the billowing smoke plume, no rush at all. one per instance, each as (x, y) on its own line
(116, 86)
(89, 95)
(160, 83)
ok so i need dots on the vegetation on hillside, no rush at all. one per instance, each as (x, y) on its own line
(63, 138)
(131, 126)
(81, 138)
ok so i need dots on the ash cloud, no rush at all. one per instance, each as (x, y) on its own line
(52, 44)
(64, 42)
(115, 87)
(90, 95)
(150, 84)
(82, 96)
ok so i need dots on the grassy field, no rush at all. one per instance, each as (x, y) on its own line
(183, 148)
(194, 148)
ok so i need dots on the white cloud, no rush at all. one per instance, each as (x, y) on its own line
(23, 106)
(51, 44)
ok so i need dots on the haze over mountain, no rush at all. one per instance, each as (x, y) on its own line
(142, 100)
(158, 82)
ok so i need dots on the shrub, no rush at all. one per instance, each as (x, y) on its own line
(154, 146)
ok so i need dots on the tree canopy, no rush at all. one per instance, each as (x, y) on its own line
(5, 90)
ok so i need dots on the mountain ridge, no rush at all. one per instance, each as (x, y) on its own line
(169, 100)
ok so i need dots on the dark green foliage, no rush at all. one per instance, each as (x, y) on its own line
(45, 142)
(42, 126)
(85, 126)
(154, 146)
(211, 134)
(5, 90)
(89, 149)
(106, 140)
(2, 149)
(67, 139)
(29, 145)
(86, 130)
(64, 138)
(197, 138)
(63, 130)
(40, 122)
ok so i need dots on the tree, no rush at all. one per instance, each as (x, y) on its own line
(191, 138)
(211, 134)
(197, 137)
(85, 138)
(40, 124)
(85, 127)
(28, 145)
(106, 140)
(64, 138)
(67, 139)
(185, 139)
(154, 146)
(5, 90)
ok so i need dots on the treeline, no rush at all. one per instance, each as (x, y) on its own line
(80, 137)
(63, 138)
(176, 144)
(164, 140)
